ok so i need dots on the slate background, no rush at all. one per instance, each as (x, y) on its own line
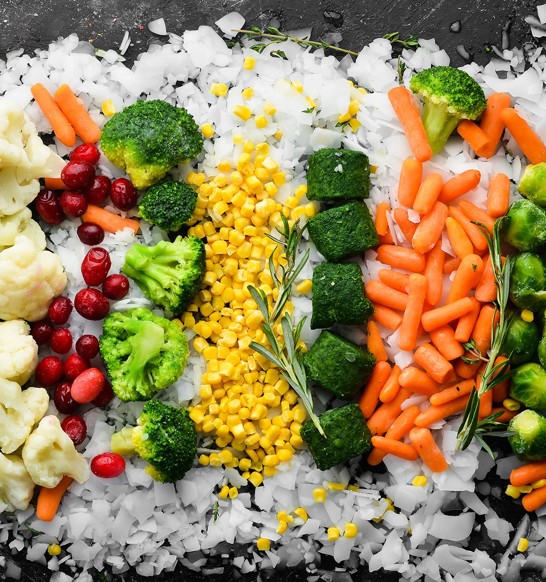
(33, 24)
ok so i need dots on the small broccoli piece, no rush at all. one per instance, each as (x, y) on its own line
(521, 341)
(347, 436)
(149, 138)
(165, 437)
(143, 353)
(528, 438)
(528, 282)
(528, 386)
(525, 226)
(343, 231)
(338, 175)
(450, 95)
(532, 184)
(168, 273)
(168, 204)
(338, 365)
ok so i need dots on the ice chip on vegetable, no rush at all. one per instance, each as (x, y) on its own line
(16, 486)
(524, 227)
(18, 351)
(532, 184)
(528, 438)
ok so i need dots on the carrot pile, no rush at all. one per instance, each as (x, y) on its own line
(529, 479)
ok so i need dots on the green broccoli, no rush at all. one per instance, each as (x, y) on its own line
(168, 273)
(168, 204)
(143, 353)
(149, 138)
(165, 437)
(450, 95)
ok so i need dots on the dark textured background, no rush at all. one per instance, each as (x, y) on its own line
(34, 23)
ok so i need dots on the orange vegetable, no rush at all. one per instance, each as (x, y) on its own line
(434, 273)
(466, 278)
(446, 314)
(534, 500)
(459, 185)
(492, 124)
(394, 447)
(55, 184)
(453, 392)
(417, 381)
(57, 119)
(486, 404)
(458, 238)
(434, 414)
(392, 386)
(370, 395)
(429, 230)
(528, 474)
(375, 343)
(501, 391)
(404, 223)
(414, 309)
(473, 231)
(384, 295)
(444, 341)
(434, 364)
(481, 335)
(506, 416)
(381, 420)
(76, 113)
(498, 196)
(472, 133)
(49, 499)
(451, 264)
(401, 258)
(109, 221)
(477, 214)
(486, 289)
(381, 223)
(425, 445)
(386, 317)
(428, 193)
(410, 180)
(466, 323)
(394, 279)
(529, 142)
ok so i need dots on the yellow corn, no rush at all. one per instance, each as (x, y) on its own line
(419, 481)
(263, 544)
(333, 534)
(351, 530)
(247, 93)
(219, 89)
(261, 121)
(538, 484)
(248, 63)
(304, 287)
(269, 109)
(319, 495)
(300, 512)
(513, 492)
(224, 492)
(336, 486)
(527, 315)
(207, 130)
(523, 545)
(243, 112)
(233, 492)
(54, 549)
(108, 108)
(282, 527)
(511, 404)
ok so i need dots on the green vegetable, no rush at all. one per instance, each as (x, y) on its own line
(528, 440)
(168, 204)
(143, 353)
(343, 231)
(149, 138)
(521, 341)
(338, 296)
(541, 351)
(168, 273)
(347, 436)
(165, 437)
(528, 386)
(532, 184)
(338, 175)
(450, 95)
(528, 282)
(338, 365)
(525, 226)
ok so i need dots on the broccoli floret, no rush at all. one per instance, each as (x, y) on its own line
(165, 437)
(143, 353)
(168, 204)
(169, 273)
(149, 138)
(450, 95)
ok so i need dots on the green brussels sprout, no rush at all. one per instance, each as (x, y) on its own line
(521, 341)
(528, 386)
(528, 282)
(525, 226)
(528, 440)
(533, 183)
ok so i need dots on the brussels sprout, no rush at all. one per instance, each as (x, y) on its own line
(528, 386)
(533, 183)
(528, 440)
(528, 282)
(525, 226)
(521, 341)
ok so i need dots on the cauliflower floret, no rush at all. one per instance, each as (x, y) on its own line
(49, 454)
(29, 280)
(18, 351)
(16, 486)
(19, 412)
(21, 223)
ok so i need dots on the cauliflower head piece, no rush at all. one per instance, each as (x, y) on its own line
(18, 351)
(29, 280)
(21, 223)
(16, 486)
(49, 454)
(20, 410)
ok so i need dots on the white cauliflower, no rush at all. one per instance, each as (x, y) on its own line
(49, 454)
(21, 223)
(16, 485)
(20, 410)
(18, 351)
(29, 280)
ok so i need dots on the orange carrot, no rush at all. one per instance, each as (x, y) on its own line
(434, 414)
(501, 391)
(529, 142)
(477, 214)
(55, 184)
(384, 295)
(466, 278)
(429, 230)
(381, 223)
(417, 381)
(407, 112)
(486, 289)
(49, 499)
(386, 239)
(459, 185)
(425, 445)
(375, 343)
(392, 386)
(453, 392)
(386, 317)
(466, 323)
(486, 404)
(451, 264)
(506, 416)
(498, 196)
(381, 420)
(458, 238)
(472, 230)
(394, 279)
(433, 272)
(401, 258)
(394, 447)
(534, 500)
(404, 223)
(57, 119)
(76, 113)
(444, 341)
(410, 180)
(428, 193)
(492, 124)
(109, 221)
(414, 310)
(434, 364)
(370, 395)
(446, 314)
(473, 134)
(528, 474)
(481, 335)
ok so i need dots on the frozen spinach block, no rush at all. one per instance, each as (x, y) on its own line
(338, 296)
(347, 436)
(343, 231)
(338, 175)
(338, 365)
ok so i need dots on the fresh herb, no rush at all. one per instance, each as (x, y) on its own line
(33, 531)
(279, 54)
(473, 354)
(490, 427)
(411, 41)
(216, 511)
(401, 69)
(343, 123)
(309, 110)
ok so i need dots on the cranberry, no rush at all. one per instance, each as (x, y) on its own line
(74, 365)
(61, 340)
(108, 465)
(48, 207)
(99, 190)
(41, 331)
(87, 346)
(123, 194)
(78, 175)
(91, 304)
(63, 399)
(105, 396)
(115, 286)
(95, 266)
(87, 152)
(90, 233)
(59, 311)
(88, 385)
(74, 426)
(74, 204)
(49, 371)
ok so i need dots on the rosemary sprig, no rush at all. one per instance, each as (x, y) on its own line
(411, 41)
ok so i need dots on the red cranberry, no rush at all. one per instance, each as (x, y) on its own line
(48, 207)
(74, 366)
(61, 340)
(105, 396)
(74, 426)
(95, 266)
(88, 385)
(63, 399)
(123, 194)
(49, 371)
(41, 331)
(73, 203)
(98, 191)
(91, 304)
(59, 311)
(108, 465)
(78, 174)
(90, 233)
(115, 286)
(87, 346)
(87, 152)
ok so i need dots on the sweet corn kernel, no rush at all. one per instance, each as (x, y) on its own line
(261, 121)
(278, 134)
(523, 545)
(270, 461)
(354, 124)
(283, 526)
(333, 534)
(108, 108)
(353, 488)
(300, 512)
(511, 404)
(247, 93)
(304, 287)
(270, 471)
(527, 315)
(214, 460)
(207, 130)
(54, 549)
(248, 63)
(319, 495)
(351, 530)
(297, 86)
(224, 492)
(513, 492)
(336, 486)
(244, 464)
(225, 456)
(203, 460)
(538, 484)
(219, 89)
(243, 112)
(419, 481)
(224, 166)
(233, 492)
(237, 138)
(354, 107)
(525, 489)
(263, 544)
(269, 109)
(279, 178)
(344, 118)
(256, 479)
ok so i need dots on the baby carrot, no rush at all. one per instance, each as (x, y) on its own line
(434, 414)
(428, 193)
(534, 500)
(466, 323)
(434, 364)
(477, 214)
(486, 404)
(473, 134)
(57, 119)
(447, 313)
(458, 238)
(417, 381)
(429, 230)
(466, 277)
(386, 239)
(425, 445)
(49, 499)
(401, 258)
(386, 317)
(472, 230)
(459, 185)
(394, 447)
(370, 395)
(55, 184)
(382, 419)
(417, 292)
(501, 391)
(409, 182)
(392, 385)
(492, 124)
(384, 295)
(528, 474)
(444, 341)
(529, 142)
(407, 112)
(481, 335)
(434, 273)
(394, 279)
(109, 221)
(76, 113)
(375, 343)
(404, 223)
(453, 392)
(506, 416)
(498, 195)
(381, 223)
(486, 289)
(451, 264)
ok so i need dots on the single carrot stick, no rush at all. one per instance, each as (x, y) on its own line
(444, 341)
(109, 221)
(453, 392)
(401, 258)
(55, 184)
(408, 114)
(451, 264)
(498, 195)
(394, 279)
(57, 119)
(529, 142)
(417, 381)
(434, 414)
(477, 214)
(528, 474)
(381, 223)
(459, 185)
(392, 385)
(473, 134)
(430, 228)
(375, 343)
(425, 445)
(381, 420)
(434, 364)
(394, 447)
(76, 113)
(466, 278)
(409, 182)
(486, 289)
(446, 314)
(370, 395)
(466, 323)
(472, 230)
(404, 223)
(384, 295)
(501, 391)
(386, 239)
(49, 499)
(458, 238)
(506, 416)
(534, 500)
(434, 273)
(411, 320)
(481, 335)
(492, 124)
(486, 404)
(428, 193)
(386, 317)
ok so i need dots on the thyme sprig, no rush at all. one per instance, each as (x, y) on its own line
(394, 38)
